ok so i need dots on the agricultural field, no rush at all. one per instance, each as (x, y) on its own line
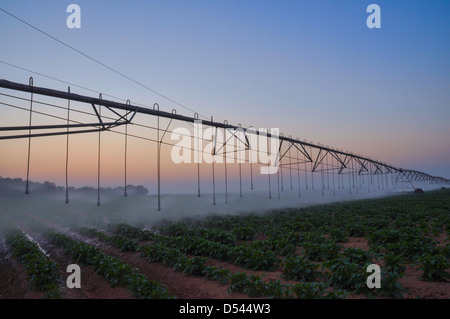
(315, 252)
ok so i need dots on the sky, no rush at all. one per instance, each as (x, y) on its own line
(313, 69)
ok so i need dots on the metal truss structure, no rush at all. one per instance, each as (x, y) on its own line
(294, 155)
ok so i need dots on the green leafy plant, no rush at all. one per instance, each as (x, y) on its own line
(390, 285)
(249, 284)
(43, 273)
(320, 251)
(315, 290)
(247, 256)
(275, 290)
(217, 274)
(191, 266)
(298, 268)
(357, 256)
(244, 232)
(111, 268)
(121, 242)
(434, 267)
(394, 263)
(338, 235)
(345, 275)
(355, 229)
(160, 253)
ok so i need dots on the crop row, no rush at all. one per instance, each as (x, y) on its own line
(121, 242)
(245, 255)
(252, 285)
(43, 273)
(249, 284)
(346, 271)
(215, 235)
(113, 269)
(402, 226)
(256, 255)
(342, 276)
(427, 213)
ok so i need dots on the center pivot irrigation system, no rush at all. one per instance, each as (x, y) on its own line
(294, 157)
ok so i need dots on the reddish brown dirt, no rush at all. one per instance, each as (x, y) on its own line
(180, 285)
(423, 289)
(13, 280)
(441, 239)
(356, 242)
(183, 286)
(93, 286)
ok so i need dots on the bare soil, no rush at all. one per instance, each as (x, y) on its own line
(14, 284)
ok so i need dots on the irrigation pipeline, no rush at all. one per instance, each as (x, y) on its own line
(323, 159)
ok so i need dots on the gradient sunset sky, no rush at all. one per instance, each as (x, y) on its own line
(311, 68)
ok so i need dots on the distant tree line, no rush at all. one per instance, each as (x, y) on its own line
(15, 186)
